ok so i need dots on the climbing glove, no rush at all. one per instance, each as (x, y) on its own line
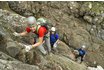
(55, 45)
(28, 47)
(16, 34)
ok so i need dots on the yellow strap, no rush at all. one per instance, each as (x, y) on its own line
(37, 28)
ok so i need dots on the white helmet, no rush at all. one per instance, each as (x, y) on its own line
(53, 29)
(83, 46)
(31, 20)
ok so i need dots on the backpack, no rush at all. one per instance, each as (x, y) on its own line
(81, 52)
(43, 22)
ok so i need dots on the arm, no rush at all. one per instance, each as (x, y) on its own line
(57, 38)
(23, 33)
(57, 41)
(28, 30)
(83, 57)
(38, 43)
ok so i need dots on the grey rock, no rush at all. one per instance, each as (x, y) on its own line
(12, 49)
(88, 19)
(69, 19)
(14, 65)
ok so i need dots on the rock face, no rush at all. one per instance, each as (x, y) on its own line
(18, 58)
(9, 63)
(15, 65)
(77, 23)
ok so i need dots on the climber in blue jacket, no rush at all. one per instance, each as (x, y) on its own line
(81, 52)
(54, 38)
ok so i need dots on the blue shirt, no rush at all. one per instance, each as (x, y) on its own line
(81, 52)
(54, 38)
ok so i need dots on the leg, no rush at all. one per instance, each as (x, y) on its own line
(51, 45)
(81, 58)
(47, 41)
(41, 48)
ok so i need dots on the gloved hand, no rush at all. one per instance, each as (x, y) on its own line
(28, 47)
(16, 34)
(55, 45)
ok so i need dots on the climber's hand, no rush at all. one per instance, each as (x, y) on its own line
(16, 34)
(55, 45)
(28, 47)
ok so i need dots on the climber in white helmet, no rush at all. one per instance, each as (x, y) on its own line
(31, 20)
(40, 31)
(80, 52)
(54, 38)
(83, 46)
